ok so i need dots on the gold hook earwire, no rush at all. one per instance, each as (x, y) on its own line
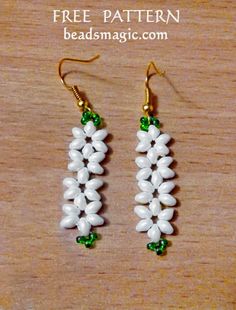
(147, 107)
(80, 102)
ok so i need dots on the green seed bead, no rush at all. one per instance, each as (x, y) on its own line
(159, 251)
(81, 240)
(144, 120)
(88, 244)
(93, 236)
(96, 119)
(144, 127)
(155, 121)
(164, 242)
(83, 121)
(87, 115)
(152, 246)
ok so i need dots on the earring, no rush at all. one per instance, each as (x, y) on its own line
(86, 152)
(154, 170)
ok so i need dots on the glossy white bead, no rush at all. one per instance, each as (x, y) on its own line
(89, 129)
(68, 182)
(80, 201)
(144, 136)
(70, 209)
(144, 225)
(87, 150)
(100, 135)
(143, 212)
(78, 133)
(146, 186)
(93, 207)
(144, 174)
(142, 162)
(166, 187)
(152, 155)
(100, 146)
(164, 161)
(95, 168)
(69, 221)
(167, 200)
(71, 192)
(166, 214)
(143, 146)
(143, 197)
(154, 233)
(92, 194)
(83, 175)
(153, 132)
(155, 206)
(84, 227)
(165, 227)
(95, 219)
(94, 184)
(156, 179)
(75, 155)
(163, 138)
(77, 144)
(166, 172)
(97, 157)
(75, 165)
(161, 149)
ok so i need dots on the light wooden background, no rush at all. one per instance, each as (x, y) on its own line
(41, 266)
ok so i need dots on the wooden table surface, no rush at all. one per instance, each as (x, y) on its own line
(41, 266)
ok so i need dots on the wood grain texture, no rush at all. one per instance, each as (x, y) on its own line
(41, 267)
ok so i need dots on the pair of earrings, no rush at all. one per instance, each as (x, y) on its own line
(86, 152)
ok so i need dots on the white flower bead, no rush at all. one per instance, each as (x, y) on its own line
(166, 187)
(142, 162)
(153, 132)
(163, 139)
(166, 214)
(143, 146)
(94, 184)
(143, 212)
(80, 201)
(69, 221)
(71, 192)
(155, 206)
(154, 233)
(166, 172)
(75, 165)
(77, 144)
(78, 133)
(95, 219)
(165, 161)
(167, 199)
(161, 149)
(144, 136)
(100, 146)
(87, 150)
(68, 182)
(93, 207)
(92, 194)
(70, 209)
(75, 155)
(143, 197)
(89, 129)
(146, 186)
(165, 227)
(144, 174)
(97, 157)
(152, 155)
(156, 179)
(99, 135)
(83, 175)
(95, 168)
(144, 225)
(84, 227)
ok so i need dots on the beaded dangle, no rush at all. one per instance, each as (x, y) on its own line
(86, 152)
(155, 199)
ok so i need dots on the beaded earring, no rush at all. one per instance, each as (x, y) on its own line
(154, 170)
(86, 152)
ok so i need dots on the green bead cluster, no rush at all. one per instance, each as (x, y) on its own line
(90, 116)
(88, 241)
(159, 247)
(146, 121)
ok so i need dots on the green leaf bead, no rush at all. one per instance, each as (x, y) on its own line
(96, 119)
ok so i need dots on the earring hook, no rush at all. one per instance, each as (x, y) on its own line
(80, 102)
(147, 107)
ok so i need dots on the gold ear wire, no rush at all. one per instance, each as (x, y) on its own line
(147, 107)
(80, 102)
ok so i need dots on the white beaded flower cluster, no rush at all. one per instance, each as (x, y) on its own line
(154, 168)
(87, 151)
